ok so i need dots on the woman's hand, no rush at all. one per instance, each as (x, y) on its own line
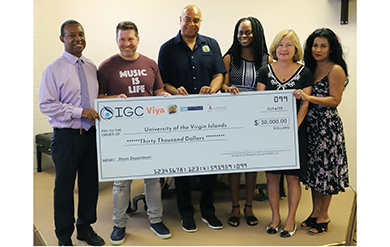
(300, 94)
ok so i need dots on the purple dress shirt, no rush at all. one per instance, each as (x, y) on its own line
(60, 90)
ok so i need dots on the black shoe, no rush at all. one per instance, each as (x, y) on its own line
(234, 221)
(118, 235)
(188, 225)
(251, 219)
(287, 234)
(161, 230)
(273, 230)
(212, 221)
(309, 222)
(320, 228)
(91, 238)
(65, 242)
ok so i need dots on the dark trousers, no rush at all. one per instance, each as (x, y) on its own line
(183, 195)
(74, 153)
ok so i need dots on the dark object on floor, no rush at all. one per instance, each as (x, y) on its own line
(43, 146)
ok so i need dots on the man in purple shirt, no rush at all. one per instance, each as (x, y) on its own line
(73, 146)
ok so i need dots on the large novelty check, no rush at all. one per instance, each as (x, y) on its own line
(149, 137)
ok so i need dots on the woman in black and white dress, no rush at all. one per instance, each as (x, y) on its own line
(287, 73)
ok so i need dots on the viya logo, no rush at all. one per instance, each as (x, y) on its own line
(106, 113)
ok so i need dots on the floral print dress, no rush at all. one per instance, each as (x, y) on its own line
(327, 169)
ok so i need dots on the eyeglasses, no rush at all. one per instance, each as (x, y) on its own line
(195, 20)
(247, 33)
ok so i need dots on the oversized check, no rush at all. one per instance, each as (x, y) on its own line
(147, 137)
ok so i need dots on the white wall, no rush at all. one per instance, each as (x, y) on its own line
(159, 20)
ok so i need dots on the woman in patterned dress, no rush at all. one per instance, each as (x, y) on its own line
(327, 172)
(287, 73)
(243, 61)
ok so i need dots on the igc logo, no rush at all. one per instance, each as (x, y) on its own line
(108, 113)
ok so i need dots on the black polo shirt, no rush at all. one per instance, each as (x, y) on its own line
(180, 66)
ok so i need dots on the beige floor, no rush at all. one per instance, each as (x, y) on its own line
(138, 233)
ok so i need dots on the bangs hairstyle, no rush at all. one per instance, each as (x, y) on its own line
(127, 25)
(298, 56)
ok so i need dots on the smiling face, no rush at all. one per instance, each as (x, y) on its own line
(74, 39)
(245, 35)
(286, 49)
(127, 43)
(190, 22)
(320, 49)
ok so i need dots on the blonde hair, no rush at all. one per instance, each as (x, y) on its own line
(298, 56)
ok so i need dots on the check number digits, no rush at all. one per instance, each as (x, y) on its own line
(195, 169)
(278, 99)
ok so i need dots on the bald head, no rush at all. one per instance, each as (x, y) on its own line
(190, 20)
(193, 9)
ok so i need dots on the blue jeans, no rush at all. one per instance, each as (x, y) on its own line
(121, 197)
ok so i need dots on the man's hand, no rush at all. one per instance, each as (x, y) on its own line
(206, 90)
(91, 114)
(182, 91)
(232, 90)
(122, 95)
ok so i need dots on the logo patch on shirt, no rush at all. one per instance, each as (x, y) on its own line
(206, 48)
